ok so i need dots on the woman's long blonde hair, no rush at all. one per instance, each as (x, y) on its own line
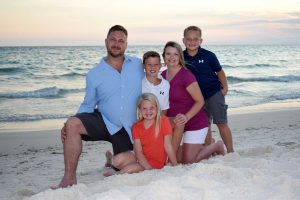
(152, 98)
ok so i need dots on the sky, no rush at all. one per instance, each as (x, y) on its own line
(154, 22)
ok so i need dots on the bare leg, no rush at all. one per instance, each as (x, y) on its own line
(120, 161)
(132, 168)
(177, 135)
(209, 150)
(108, 156)
(109, 172)
(189, 152)
(179, 154)
(129, 169)
(72, 151)
(226, 136)
(208, 139)
(193, 153)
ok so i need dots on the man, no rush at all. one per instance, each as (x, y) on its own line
(212, 81)
(109, 107)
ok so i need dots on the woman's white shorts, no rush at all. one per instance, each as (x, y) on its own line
(194, 137)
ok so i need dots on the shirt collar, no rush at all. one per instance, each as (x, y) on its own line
(198, 52)
(148, 83)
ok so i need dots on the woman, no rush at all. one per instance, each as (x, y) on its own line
(186, 102)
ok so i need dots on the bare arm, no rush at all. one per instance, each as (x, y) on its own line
(169, 149)
(194, 90)
(139, 154)
(222, 78)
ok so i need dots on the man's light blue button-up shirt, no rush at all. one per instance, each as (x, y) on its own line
(114, 94)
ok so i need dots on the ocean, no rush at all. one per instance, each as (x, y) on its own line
(48, 83)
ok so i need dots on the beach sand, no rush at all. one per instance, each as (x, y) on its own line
(265, 165)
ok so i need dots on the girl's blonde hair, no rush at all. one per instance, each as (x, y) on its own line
(152, 98)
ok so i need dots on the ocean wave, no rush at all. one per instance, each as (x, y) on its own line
(239, 92)
(287, 78)
(10, 62)
(252, 66)
(24, 117)
(285, 96)
(72, 74)
(10, 70)
(40, 93)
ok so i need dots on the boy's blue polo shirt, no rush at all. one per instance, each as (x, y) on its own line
(204, 65)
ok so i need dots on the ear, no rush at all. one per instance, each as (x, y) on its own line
(201, 40)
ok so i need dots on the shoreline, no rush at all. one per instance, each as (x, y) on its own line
(56, 124)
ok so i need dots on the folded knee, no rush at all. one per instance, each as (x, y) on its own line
(116, 161)
(188, 160)
(73, 124)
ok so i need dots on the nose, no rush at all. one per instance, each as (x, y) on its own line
(152, 66)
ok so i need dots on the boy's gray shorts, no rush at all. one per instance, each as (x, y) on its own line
(216, 108)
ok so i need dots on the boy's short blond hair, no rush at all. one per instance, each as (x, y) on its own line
(192, 28)
(149, 54)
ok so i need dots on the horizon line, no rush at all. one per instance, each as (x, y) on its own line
(87, 45)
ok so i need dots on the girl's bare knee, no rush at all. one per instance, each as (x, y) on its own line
(116, 161)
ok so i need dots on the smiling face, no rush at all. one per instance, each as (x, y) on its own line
(148, 110)
(116, 43)
(171, 57)
(192, 40)
(152, 66)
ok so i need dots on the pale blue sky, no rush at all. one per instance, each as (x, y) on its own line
(85, 22)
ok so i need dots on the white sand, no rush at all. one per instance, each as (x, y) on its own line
(266, 165)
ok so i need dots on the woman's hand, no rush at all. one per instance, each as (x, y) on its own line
(181, 119)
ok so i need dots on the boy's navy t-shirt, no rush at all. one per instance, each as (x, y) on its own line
(204, 66)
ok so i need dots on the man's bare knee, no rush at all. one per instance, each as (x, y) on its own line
(75, 126)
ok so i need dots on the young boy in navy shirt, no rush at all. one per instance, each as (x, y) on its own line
(212, 81)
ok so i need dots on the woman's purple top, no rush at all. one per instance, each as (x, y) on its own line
(181, 101)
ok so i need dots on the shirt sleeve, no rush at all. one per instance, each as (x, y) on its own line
(165, 104)
(215, 64)
(89, 103)
(166, 127)
(189, 78)
(135, 131)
